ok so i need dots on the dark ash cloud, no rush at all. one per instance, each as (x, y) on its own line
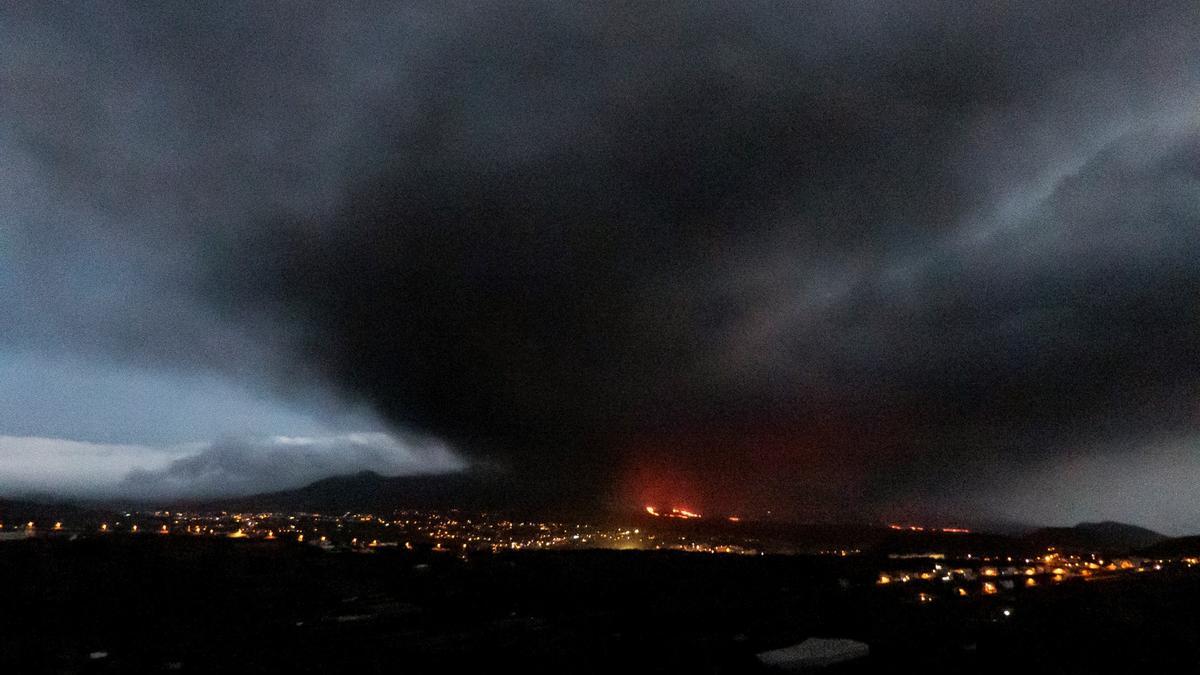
(825, 258)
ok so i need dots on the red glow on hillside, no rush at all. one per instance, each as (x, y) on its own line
(922, 528)
(811, 472)
(673, 513)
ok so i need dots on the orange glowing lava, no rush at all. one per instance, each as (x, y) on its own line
(673, 513)
(922, 528)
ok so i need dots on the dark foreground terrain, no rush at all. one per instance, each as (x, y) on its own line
(176, 604)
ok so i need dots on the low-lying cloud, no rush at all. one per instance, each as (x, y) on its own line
(232, 466)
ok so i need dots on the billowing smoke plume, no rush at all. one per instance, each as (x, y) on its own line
(825, 257)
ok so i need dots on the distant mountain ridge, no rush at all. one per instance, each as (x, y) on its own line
(494, 491)
(16, 511)
(1107, 536)
(1174, 548)
(367, 490)
(500, 492)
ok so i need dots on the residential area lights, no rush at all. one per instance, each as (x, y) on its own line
(428, 530)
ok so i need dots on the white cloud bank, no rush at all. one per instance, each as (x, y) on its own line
(227, 467)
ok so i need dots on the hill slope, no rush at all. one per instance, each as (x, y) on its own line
(368, 490)
(1107, 536)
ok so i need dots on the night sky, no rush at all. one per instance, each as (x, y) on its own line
(835, 260)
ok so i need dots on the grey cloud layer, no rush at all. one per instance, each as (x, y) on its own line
(244, 466)
(227, 467)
